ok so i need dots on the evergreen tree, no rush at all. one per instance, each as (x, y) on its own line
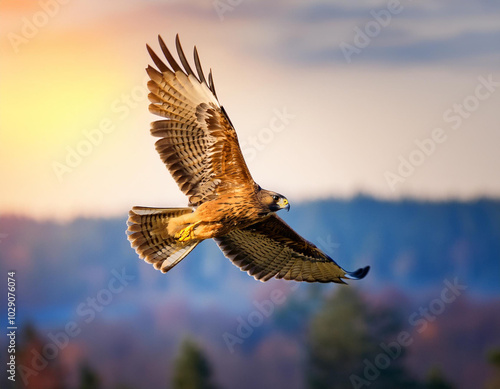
(338, 341)
(344, 346)
(436, 380)
(494, 360)
(192, 369)
(89, 379)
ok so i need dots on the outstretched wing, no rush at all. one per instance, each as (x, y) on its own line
(198, 142)
(272, 249)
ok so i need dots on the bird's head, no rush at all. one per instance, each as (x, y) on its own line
(274, 201)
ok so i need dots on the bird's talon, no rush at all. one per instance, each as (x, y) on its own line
(186, 233)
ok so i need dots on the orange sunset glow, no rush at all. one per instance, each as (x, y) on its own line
(70, 67)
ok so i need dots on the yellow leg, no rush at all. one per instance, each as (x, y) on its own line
(186, 233)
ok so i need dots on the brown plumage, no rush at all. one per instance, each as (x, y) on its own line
(200, 148)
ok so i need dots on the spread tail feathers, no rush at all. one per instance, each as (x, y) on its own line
(147, 233)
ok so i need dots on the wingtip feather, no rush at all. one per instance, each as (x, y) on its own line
(358, 274)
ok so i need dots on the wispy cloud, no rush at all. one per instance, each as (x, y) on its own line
(434, 32)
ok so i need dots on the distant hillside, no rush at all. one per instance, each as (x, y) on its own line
(411, 246)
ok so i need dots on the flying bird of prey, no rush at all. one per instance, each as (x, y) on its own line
(199, 146)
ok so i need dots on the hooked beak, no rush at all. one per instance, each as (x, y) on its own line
(283, 203)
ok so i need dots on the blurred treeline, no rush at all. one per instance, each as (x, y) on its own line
(351, 342)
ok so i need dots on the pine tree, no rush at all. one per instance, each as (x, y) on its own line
(436, 380)
(494, 360)
(89, 379)
(345, 337)
(338, 341)
(192, 369)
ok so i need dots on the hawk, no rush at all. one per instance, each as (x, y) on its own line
(200, 148)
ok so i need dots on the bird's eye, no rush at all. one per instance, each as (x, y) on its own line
(275, 198)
